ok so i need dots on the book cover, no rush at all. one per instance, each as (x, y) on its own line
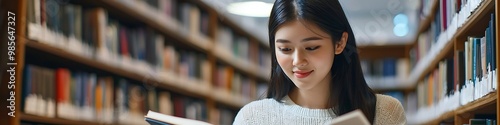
(155, 118)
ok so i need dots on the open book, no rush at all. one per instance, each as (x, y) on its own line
(155, 118)
(355, 117)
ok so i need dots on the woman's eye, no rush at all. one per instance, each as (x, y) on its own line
(312, 48)
(285, 49)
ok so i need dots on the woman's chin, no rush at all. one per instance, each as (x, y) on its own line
(302, 85)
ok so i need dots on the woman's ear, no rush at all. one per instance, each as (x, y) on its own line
(339, 47)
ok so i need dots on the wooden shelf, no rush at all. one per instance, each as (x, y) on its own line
(170, 82)
(377, 52)
(57, 121)
(426, 64)
(445, 116)
(234, 100)
(472, 107)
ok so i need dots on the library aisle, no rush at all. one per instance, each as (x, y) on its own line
(111, 61)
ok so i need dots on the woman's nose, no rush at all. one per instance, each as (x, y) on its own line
(299, 59)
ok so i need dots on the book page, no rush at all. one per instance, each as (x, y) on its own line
(355, 117)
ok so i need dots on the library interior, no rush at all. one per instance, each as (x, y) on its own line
(111, 61)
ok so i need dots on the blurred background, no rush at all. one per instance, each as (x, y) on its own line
(379, 22)
(112, 61)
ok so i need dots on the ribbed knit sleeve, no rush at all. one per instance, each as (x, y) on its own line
(244, 116)
(389, 111)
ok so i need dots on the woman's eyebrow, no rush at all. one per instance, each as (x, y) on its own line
(282, 41)
(303, 40)
(311, 39)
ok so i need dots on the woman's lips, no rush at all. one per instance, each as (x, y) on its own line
(302, 74)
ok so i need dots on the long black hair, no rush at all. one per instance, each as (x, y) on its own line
(348, 88)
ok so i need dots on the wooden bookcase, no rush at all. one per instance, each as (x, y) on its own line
(474, 26)
(213, 97)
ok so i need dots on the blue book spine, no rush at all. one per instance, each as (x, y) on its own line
(389, 67)
(488, 47)
(27, 82)
(474, 47)
(494, 41)
(80, 89)
(84, 87)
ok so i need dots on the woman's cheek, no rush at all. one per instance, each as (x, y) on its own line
(283, 61)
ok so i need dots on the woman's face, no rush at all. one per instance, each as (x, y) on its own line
(305, 53)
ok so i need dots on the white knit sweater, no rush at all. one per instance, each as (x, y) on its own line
(270, 112)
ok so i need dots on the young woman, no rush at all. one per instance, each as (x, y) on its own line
(316, 72)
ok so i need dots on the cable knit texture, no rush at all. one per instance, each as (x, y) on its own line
(270, 112)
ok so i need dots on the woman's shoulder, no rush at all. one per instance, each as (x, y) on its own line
(388, 102)
(386, 99)
(389, 110)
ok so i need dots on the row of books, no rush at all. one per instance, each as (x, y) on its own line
(449, 17)
(61, 93)
(421, 115)
(387, 67)
(190, 15)
(141, 49)
(240, 46)
(385, 72)
(482, 121)
(192, 18)
(230, 79)
(457, 81)
(224, 116)
(436, 85)
(91, 32)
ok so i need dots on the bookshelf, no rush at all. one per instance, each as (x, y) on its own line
(46, 120)
(463, 112)
(429, 71)
(434, 92)
(196, 36)
(426, 64)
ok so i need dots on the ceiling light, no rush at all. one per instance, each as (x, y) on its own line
(400, 30)
(400, 18)
(250, 8)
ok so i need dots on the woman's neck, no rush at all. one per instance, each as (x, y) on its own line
(316, 98)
